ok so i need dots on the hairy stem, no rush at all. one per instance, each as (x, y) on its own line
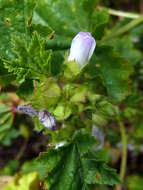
(124, 151)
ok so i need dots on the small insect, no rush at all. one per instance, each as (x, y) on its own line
(27, 110)
(47, 119)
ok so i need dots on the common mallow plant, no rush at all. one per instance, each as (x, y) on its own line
(82, 48)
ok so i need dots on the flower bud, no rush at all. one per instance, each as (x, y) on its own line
(82, 48)
(47, 119)
(27, 110)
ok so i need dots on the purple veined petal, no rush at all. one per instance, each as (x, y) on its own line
(47, 119)
(27, 110)
(82, 48)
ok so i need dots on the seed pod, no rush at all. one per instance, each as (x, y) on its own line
(27, 110)
(47, 119)
(82, 48)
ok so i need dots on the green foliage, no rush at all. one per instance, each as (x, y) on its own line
(5, 77)
(100, 20)
(34, 36)
(126, 50)
(73, 165)
(71, 70)
(67, 21)
(115, 71)
(5, 121)
(24, 182)
(75, 170)
(10, 168)
(139, 130)
(46, 94)
(14, 20)
(32, 60)
(26, 89)
(135, 182)
(68, 24)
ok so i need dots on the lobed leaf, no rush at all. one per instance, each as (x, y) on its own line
(32, 62)
(14, 20)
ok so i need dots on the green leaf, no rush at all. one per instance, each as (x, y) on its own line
(66, 20)
(15, 16)
(134, 182)
(6, 120)
(73, 168)
(115, 72)
(10, 168)
(4, 109)
(97, 172)
(25, 89)
(79, 94)
(33, 61)
(89, 6)
(45, 162)
(99, 119)
(138, 131)
(84, 141)
(8, 136)
(62, 111)
(126, 50)
(71, 70)
(46, 94)
(5, 77)
(43, 30)
(74, 16)
(99, 22)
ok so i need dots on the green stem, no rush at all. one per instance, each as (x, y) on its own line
(124, 151)
(124, 29)
(120, 13)
(123, 14)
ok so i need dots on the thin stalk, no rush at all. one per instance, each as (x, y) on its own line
(124, 151)
(120, 13)
(123, 14)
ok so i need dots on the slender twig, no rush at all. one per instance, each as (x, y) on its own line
(124, 151)
(120, 13)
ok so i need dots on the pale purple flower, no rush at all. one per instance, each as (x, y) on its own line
(82, 48)
(47, 119)
(27, 110)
